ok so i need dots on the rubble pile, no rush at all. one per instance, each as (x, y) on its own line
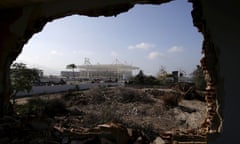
(108, 116)
(33, 130)
(27, 130)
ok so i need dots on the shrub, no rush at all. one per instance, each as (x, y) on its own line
(55, 107)
(129, 95)
(91, 119)
(95, 95)
(199, 78)
(33, 107)
(171, 99)
(42, 107)
(69, 95)
(109, 113)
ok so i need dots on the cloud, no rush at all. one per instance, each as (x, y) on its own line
(175, 49)
(154, 55)
(54, 52)
(114, 54)
(141, 45)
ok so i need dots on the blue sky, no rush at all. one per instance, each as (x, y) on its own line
(147, 36)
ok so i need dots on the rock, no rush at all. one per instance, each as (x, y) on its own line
(139, 140)
(158, 140)
(119, 133)
(194, 120)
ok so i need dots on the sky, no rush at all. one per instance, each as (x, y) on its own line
(147, 36)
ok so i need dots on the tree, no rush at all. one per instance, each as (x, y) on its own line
(139, 78)
(198, 78)
(182, 73)
(151, 80)
(71, 66)
(142, 79)
(22, 78)
(162, 74)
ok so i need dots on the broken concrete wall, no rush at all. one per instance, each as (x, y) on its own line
(217, 20)
(222, 25)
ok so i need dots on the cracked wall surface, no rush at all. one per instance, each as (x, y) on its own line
(217, 21)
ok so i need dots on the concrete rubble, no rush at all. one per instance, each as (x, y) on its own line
(34, 130)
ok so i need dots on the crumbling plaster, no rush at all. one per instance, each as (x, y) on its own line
(217, 20)
(222, 20)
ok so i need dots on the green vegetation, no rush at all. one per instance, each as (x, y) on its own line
(22, 78)
(71, 66)
(40, 107)
(162, 78)
(162, 75)
(171, 99)
(131, 95)
(142, 79)
(198, 78)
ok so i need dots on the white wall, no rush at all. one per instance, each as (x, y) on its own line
(61, 88)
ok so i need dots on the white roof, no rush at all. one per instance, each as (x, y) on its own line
(98, 67)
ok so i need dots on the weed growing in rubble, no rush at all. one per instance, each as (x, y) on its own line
(40, 107)
(171, 99)
(69, 95)
(130, 95)
(95, 95)
(109, 113)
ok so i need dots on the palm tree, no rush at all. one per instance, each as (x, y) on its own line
(71, 66)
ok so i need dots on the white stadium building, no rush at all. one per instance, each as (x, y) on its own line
(120, 72)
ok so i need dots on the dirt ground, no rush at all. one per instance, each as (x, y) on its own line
(134, 108)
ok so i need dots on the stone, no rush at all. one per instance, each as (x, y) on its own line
(158, 140)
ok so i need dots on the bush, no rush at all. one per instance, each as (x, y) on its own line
(33, 107)
(55, 107)
(198, 78)
(142, 79)
(109, 113)
(69, 95)
(95, 95)
(129, 95)
(42, 107)
(171, 99)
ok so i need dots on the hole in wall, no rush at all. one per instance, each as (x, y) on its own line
(143, 47)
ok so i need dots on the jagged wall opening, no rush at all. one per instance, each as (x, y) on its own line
(163, 41)
(96, 20)
(37, 21)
